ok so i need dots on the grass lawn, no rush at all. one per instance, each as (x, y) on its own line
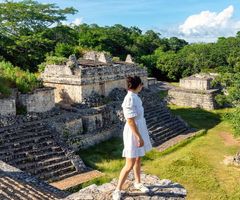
(195, 163)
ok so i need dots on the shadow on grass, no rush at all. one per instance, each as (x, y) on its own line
(197, 117)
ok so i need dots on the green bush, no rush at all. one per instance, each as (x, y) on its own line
(63, 50)
(234, 118)
(15, 77)
(51, 60)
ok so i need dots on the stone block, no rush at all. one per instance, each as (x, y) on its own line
(40, 100)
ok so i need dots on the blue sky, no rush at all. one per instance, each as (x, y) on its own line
(193, 20)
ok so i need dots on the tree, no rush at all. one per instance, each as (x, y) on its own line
(23, 27)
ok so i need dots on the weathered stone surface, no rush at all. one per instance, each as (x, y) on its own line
(159, 189)
(129, 59)
(8, 106)
(151, 80)
(40, 100)
(200, 81)
(72, 62)
(23, 185)
(195, 91)
(193, 98)
(94, 73)
(97, 57)
(236, 159)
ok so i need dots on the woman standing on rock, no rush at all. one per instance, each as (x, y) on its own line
(135, 136)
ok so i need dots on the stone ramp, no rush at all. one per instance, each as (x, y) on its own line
(76, 180)
(16, 184)
(159, 189)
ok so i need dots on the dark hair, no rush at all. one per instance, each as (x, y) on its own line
(133, 82)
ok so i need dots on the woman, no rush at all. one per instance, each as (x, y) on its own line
(135, 136)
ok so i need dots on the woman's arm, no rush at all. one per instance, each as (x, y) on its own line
(133, 126)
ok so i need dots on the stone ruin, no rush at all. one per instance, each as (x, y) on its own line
(75, 81)
(195, 91)
(79, 107)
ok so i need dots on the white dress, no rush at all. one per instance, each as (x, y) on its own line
(132, 107)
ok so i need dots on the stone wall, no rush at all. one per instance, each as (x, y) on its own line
(8, 106)
(197, 84)
(200, 81)
(74, 84)
(92, 122)
(66, 93)
(193, 98)
(151, 80)
(41, 100)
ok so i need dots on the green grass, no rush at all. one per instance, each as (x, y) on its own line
(176, 84)
(195, 163)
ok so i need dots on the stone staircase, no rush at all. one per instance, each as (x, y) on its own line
(16, 184)
(162, 125)
(33, 147)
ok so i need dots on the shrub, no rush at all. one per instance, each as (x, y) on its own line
(234, 118)
(15, 77)
(63, 50)
(56, 60)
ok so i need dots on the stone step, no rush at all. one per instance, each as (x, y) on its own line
(165, 130)
(14, 128)
(170, 133)
(27, 141)
(31, 148)
(58, 174)
(26, 135)
(43, 163)
(157, 117)
(156, 114)
(51, 168)
(165, 125)
(21, 191)
(160, 121)
(8, 134)
(64, 176)
(26, 159)
(150, 109)
(156, 111)
(153, 108)
(160, 124)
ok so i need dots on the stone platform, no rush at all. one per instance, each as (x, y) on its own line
(159, 189)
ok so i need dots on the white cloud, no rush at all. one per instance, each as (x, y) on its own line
(77, 21)
(209, 24)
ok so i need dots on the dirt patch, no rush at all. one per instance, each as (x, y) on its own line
(228, 139)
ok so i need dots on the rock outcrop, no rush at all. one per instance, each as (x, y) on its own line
(159, 189)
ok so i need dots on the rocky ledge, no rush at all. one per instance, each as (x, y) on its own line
(159, 189)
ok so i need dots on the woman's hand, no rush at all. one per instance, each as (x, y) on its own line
(140, 142)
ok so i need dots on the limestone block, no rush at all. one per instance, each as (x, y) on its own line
(41, 100)
(129, 59)
(8, 106)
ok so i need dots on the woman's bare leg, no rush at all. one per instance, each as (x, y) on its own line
(137, 170)
(125, 171)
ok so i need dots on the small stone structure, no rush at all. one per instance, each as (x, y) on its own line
(195, 91)
(95, 72)
(8, 106)
(151, 81)
(159, 190)
(40, 100)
